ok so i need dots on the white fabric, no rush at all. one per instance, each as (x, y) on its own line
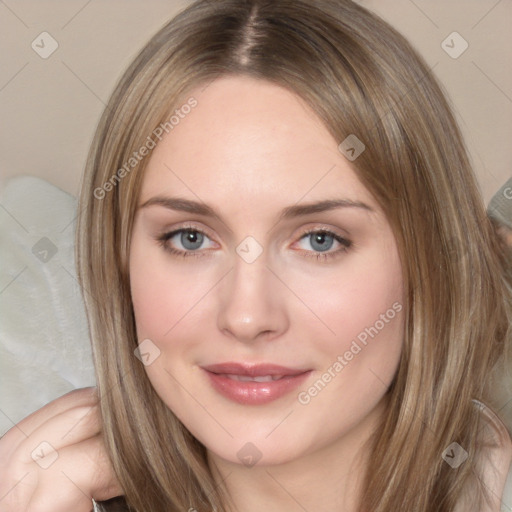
(44, 342)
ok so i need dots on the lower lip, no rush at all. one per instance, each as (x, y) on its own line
(255, 393)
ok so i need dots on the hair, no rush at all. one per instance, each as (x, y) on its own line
(361, 77)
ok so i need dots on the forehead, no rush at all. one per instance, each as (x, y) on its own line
(249, 139)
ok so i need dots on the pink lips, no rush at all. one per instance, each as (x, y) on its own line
(254, 384)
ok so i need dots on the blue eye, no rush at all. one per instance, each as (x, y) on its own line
(322, 240)
(191, 239)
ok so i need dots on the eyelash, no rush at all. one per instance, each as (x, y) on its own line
(320, 256)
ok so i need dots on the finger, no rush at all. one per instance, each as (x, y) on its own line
(77, 397)
(66, 429)
(81, 473)
(105, 484)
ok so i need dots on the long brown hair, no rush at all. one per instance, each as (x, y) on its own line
(362, 78)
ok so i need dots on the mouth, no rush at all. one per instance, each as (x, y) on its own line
(248, 378)
(254, 384)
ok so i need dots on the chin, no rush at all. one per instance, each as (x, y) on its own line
(257, 449)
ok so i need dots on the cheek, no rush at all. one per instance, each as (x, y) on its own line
(359, 358)
(362, 302)
(162, 296)
(165, 305)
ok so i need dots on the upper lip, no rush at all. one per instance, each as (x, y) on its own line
(251, 370)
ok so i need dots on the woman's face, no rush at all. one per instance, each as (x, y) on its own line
(271, 327)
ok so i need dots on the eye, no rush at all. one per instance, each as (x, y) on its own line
(322, 240)
(190, 239)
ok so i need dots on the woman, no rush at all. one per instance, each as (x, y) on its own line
(295, 297)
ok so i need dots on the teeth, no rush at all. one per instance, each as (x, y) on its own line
(260, 378)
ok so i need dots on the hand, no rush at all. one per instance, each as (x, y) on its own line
(55, 460)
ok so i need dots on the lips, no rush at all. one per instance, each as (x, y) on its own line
(254, 384)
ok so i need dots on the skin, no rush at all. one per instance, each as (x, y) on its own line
(55, 460)
(250, 149)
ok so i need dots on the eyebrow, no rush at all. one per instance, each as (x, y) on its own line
(290, 212)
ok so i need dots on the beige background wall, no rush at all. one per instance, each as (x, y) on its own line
(49, 107)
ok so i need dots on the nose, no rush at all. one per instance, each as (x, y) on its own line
(252, 303)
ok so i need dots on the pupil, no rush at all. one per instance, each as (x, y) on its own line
(319, 239)
(191, 239)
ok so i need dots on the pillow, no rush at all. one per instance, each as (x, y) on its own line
(44, 341)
